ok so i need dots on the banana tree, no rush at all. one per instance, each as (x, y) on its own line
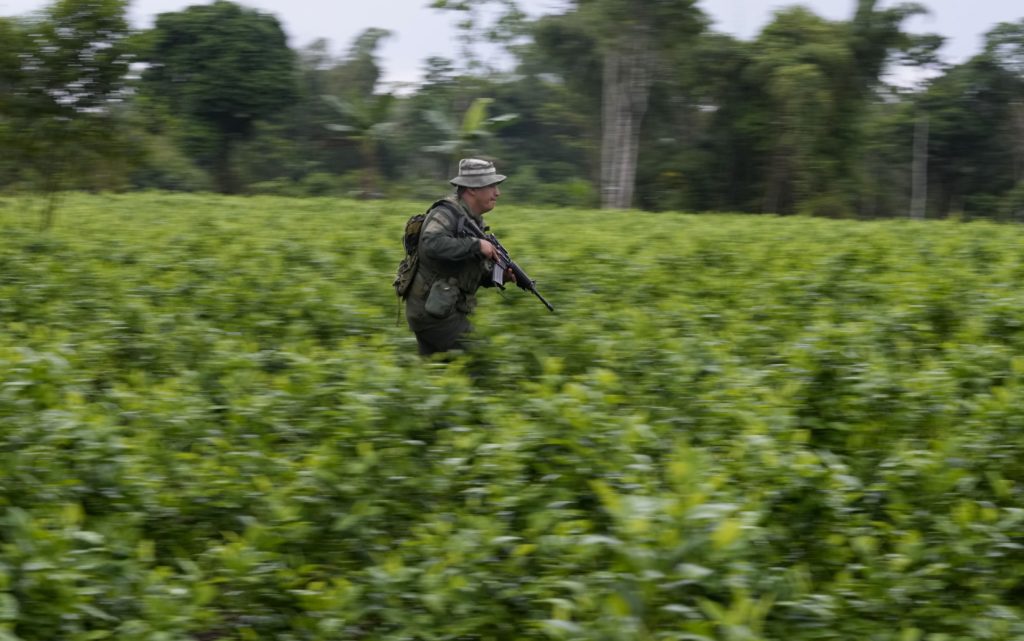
(366, 122)
(466, 138)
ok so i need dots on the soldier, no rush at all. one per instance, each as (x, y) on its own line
(453, 262)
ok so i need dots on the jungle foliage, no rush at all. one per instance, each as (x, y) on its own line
(605, 102)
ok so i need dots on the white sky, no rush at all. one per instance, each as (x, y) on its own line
(419, 32)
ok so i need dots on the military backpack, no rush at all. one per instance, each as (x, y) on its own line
(406, 272)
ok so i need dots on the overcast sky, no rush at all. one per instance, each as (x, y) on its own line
(420, 32)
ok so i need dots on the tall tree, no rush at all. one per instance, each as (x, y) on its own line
(12, 41)
(720, 111)
(498, 22)
(973, 112)
(226, 67)
(1004, 46)
(562, 78)
(633, 36)
(358, 74)
(820, 76)
(61, 72)
(802, 60)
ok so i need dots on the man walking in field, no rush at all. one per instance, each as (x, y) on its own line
(453, 261)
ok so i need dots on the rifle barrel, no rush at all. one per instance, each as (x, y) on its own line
(546, 304)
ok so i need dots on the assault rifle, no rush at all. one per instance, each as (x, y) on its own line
(503, 262)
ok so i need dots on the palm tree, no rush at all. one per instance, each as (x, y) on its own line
(368, 123)
(465, 139)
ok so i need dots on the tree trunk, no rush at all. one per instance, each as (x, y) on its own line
(777, 192)
(224, 173)
(52, 169)
(919, 169)
(370, 189)
(625, 91)
(1017, 114)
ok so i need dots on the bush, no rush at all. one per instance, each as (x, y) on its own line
(827, 206)
(276, 187)
(1012, 206)
(577, 193)
(165, 167)
(324, 184)
(212, 426)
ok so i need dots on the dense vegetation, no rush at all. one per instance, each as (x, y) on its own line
(614, 102)
(211, 427)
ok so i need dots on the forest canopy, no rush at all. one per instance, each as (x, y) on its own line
(636, 104)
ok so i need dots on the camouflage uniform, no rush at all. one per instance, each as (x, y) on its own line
(451, 269)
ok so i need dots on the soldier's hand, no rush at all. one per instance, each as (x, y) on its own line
(510, 276)
(488, 250)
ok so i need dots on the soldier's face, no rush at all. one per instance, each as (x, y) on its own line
(483, 199)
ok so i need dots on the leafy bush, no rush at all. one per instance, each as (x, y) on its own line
(321, 184)
(165, 167)
(1012, 207)
(276, 187)
(571, 193)
(212, 427)
(526, 187)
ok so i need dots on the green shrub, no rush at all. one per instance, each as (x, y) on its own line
(212, 427)
(1012, 207)
(165, 167)
(576, 193)
(320, 184)
(276, 187)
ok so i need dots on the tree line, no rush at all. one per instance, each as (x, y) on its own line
(617, 103)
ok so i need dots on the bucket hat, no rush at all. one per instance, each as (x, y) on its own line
(475, 172)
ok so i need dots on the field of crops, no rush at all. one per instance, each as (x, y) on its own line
(733, 428)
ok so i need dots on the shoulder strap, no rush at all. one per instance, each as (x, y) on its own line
(460, 216)
(426, 214)
(447, 204)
